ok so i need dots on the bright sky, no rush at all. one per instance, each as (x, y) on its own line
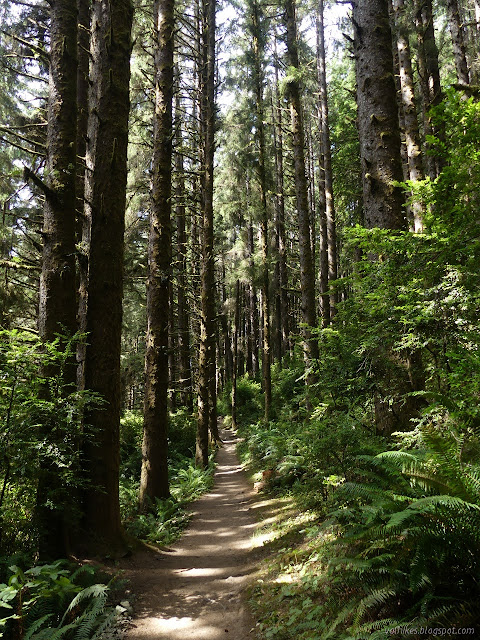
(333, 14)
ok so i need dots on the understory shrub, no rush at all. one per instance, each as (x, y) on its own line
(408, 540)
(181, 440)
(40, 427)
(53, 601)
(163, 526)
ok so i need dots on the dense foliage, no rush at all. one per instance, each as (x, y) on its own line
(365, 422)
(400, 514)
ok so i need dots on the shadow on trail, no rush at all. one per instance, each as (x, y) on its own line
(195, 589)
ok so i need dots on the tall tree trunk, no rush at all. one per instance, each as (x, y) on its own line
(253, 336)
(327, 158)
(458, 41)
(172, 383)
(280, 237)
(307, 280)
(258, 54)
(476, 40)
(429, 75)
(105, 188)
(409, 110)
(227, 343)
(213, 376)
(185, 371)
(83, 224)
(381, 163)
(57, 303)
(154, 476)
(235, 355)
(206, 357)
(243, 350)
(311, 193)
(322, 217)
(377, 116)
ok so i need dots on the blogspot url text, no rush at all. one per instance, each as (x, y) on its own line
(433, 631)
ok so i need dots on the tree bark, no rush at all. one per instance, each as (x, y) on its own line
(154, 476)
(253, 335)
(307, 283)
(258, 54)
(172, 382)
(206, 357)
(83, 224)
(458, 41)
(57, 301)
(409, 110)
(322, 217)
(185, 371)
(282, 310)
(227, 341)
(377, 116)
(327, 160)
(105, 187)
(429, 75)
(235, 356)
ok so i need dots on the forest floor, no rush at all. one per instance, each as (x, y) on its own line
(196, 588)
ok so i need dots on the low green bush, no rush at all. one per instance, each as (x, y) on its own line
(41, 425)
(131, 434)
(53, 601)
(181, 440)
(408, 541)
(170, 517)
(249, 400)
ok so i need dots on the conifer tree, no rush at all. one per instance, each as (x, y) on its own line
(307, 282)
(330, 239)
(256, 23)
(458, 39)
(105, 191)
(154, 478)
(184, 355)
(378, 125)
(429, 80)
(281, 298)
(57, 303)
(206, 357)
(409, 109)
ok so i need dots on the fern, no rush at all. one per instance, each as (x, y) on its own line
(35, 626)
(374, 599)
(344, 614)
(97, 591)
(53, 606)
(93, 628)
(409, 540)
(54, 634)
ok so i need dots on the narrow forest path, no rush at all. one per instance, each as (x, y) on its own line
(194, 589)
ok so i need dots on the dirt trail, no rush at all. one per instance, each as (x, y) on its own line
(194, 590)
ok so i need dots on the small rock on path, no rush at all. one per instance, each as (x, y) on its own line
(195, 589)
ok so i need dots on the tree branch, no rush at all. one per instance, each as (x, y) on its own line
(28, 174)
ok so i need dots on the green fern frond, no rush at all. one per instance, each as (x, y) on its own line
(54, 634)
(84, 568)
(374, 599)
(35, 626)
(344, 614)
(472, 481)
(419, 578)
(362, 491)
(109, 620)
(95, 591)
(444, 501)
(89, 621)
